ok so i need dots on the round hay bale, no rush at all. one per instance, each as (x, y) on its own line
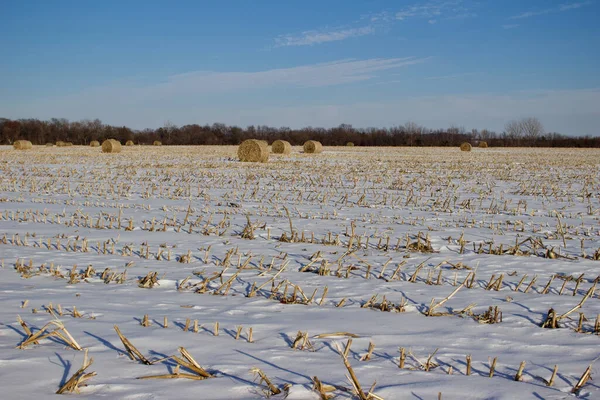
(111, 146)
(350, 144)
(49, 144)
(483, 145)
(69, 144)
(313, 147)
(60, 143)
(281, 147)
(465, 146)
(129, 143)
(94, 143)
(157, 143)
(253, 150)
(22, 145)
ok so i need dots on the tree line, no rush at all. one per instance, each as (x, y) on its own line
(524, 132)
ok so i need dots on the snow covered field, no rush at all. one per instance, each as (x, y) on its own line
(304, 252)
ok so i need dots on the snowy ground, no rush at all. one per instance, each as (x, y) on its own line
(519, 226)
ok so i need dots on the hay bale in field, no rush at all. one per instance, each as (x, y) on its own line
(22, 145)
(253, 150)
(350, 144)
(60, 143)
(313, 147)
(281, 147)
(157, 143)
(129, 143)
(483, 145)
(49, 144)
(465, 146)
(94, 143)
(111, 146)
(69, 144)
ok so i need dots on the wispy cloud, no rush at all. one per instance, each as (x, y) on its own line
(434, 10)
(448, 77)
(195, 86)
(314, 75)
(560, 8)
(309, 38)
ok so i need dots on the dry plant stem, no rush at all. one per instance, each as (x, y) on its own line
(550, 382)
(354, 379)
(402, 358)
(79, 377)
(59, 331)
(589, 293)
(322, 389)
(187, 361)
(287, 212)
(493, 367)
(428, 363)
(263, 378)
(587, 375)
(196, 367)
(468, 365)
(326, 335)
(346, 349)
(432, 307)
(132, 351)
(367, 356)
(519, 375)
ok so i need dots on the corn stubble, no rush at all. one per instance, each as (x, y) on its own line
(417, 183)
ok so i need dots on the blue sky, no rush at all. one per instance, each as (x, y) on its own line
(468, 63)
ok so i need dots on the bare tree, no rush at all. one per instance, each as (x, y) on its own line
(532, 128)
(484, 134)
(513, 129)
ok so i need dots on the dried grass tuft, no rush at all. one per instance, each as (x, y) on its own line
(313, 147)
(466, 147)
(111, 146)
(253, 150)
(281, 147)
(22, 145)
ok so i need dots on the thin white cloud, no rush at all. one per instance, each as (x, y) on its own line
(434, 10)
(309, 38)
(453, 76)
(314, 75)
(198, 85)
(561, 8)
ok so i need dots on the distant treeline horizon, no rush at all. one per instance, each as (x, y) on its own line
(526, 132)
